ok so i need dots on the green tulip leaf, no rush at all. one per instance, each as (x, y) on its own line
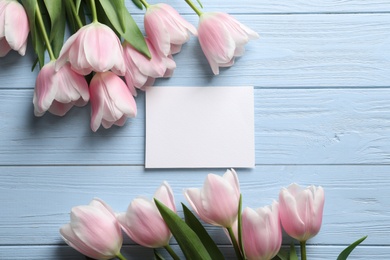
(115, 11)
(57, 21)
(37, 40)
(71, 14)
(293, 253)
(282, 255)
(134, 36)
(239, 225)
(157, 256)
(345, 253)
(187, 239)
(131, 32)
(138, 4)
(193, 222)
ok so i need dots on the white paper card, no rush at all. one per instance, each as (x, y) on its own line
(199, 127)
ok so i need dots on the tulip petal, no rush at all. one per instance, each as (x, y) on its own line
(144, 224)
(72, 240)
(16, 26)
(4, 47)
(165, 195)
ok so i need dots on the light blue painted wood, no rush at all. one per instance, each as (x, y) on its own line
(321, 72)
(310, 50)
(38, 199)
(293, 126)
(66, 253)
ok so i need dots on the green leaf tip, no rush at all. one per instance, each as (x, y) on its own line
(345, 253)
(187, 239)
(193, 222)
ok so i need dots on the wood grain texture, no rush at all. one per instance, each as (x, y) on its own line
(38, 199)
(321, 72)
(133, 252)
(311, 50)
(292, 126)
(272, 7)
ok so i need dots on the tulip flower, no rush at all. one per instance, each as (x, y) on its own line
(14, 27)
(94, 231)
(166, 28)
(143, 222)
(301, 210)
(111, 101)
(217, 202)
(141, 71)
(94, 47)
(59, 91)
(261, 232)
(222, 38)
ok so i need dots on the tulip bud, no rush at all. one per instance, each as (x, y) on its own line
(261, 232)
(217, 202)
(58, 91)
(111, 101)
(93, 231)
(301, 210)
(14, 27)
(222, 38)
(143, 222)
(166, 28)
(94, 47)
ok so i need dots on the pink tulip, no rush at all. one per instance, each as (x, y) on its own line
(111, 101)
(141, 71)
(144, 224)
(217, 202)
(94, 47)
(59, 91)
(14, 27)
(166, 28)
(222, 38)
(261, 232)
(93, 231)
(301, 210)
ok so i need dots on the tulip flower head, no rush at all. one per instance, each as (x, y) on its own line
(261, 232)
(301, 210)
(141, 71)
(111, 101)
(94, 47)
(222, 38)
(58, 91)
(143, 222)
(14, 27)
(93, 231)
(166, 28)
(217, 202)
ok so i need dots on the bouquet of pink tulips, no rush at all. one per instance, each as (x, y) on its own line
(95, 230)
(107, 58)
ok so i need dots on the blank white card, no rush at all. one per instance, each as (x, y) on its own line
(199, 127)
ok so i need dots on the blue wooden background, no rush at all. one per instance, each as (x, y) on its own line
(321, 72)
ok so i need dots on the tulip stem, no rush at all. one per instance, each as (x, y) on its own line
(144, 3)
(235, 244)
(120, 256)
(94, 12)
(303, 250)
(76, 15)
(196, 9)
(41, 24)
(171, 252)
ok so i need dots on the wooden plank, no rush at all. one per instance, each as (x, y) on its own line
(134, 252)
(271, 7)
(36, 201)
(328, 50)
(292, 126)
